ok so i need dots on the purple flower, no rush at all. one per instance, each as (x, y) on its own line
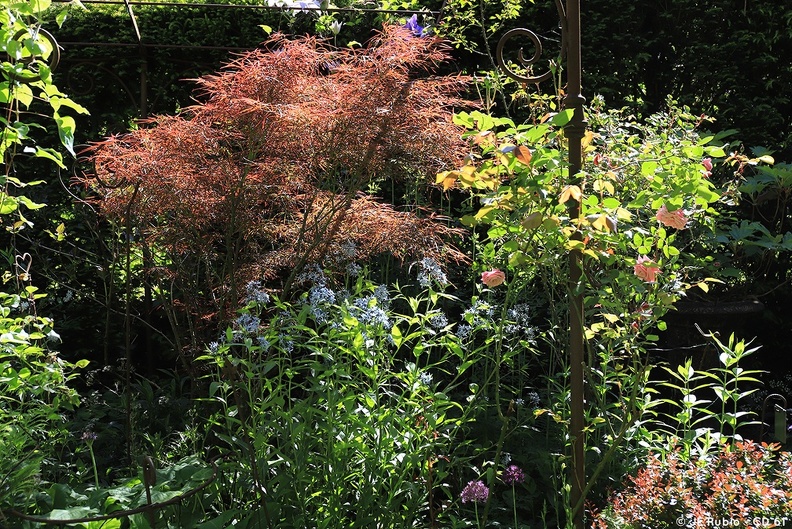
(513, 474)
(476, 492)
(89, 436)
(413, 25)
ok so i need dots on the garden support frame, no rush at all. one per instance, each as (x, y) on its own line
(574, 132)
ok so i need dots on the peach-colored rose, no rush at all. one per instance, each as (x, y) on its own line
(646, 269)
(707, 163)
(673, 219)
(493, 278)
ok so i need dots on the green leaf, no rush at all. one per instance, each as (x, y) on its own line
(56, 102)
(648, 168)
(51, 155)
(562, 118)
(23, 94)
(715, 152)
(39, 6)
(29, 203)
(69, 514)
(397, 336)
(8, 204)
(60, 18)
(66, 127)
(705, 195)
(5, 92)
(222, 521)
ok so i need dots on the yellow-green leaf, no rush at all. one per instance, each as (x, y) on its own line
(572, 192)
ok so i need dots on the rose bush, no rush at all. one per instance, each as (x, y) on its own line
(647, 221)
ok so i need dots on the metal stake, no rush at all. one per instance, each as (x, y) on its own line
(574, 131)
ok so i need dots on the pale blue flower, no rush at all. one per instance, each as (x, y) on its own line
(438, 321)
(248, 323)
(430, 272)
(255, 292)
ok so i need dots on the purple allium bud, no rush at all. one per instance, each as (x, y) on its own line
(513, 474)
(89, 436)
(476, 492)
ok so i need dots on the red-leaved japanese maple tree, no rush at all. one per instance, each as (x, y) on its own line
(266, 174)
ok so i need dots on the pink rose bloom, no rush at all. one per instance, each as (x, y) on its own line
(646, 269)
(707, 163)
(673, 219)
(493, 278)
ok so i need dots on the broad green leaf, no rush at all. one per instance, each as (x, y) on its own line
(715, 152)
(23, 94)
(562, 118)
(103, 524)
(66, 127)
(5, 92)
(648, 168)
(29, 203)
(463, 119)
(69, 514)
(61, 17)
(8, 204)
(56, 102)
(50, 154)
(397, 336)
(40, 5)
(695, 151)
(14, 49)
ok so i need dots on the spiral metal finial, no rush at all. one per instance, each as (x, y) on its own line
(522, 32)
(52, 59)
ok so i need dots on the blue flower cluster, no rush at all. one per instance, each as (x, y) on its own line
(430, 273)
(256, 293)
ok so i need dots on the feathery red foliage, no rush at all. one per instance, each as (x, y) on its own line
(265, 176)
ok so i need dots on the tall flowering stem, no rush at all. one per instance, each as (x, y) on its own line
(476, 492)
(511, 476)
(89, 438)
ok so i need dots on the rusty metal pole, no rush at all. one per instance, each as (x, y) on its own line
(575, 131)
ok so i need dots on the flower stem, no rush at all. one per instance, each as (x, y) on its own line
(514, 504)
(93, 463)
